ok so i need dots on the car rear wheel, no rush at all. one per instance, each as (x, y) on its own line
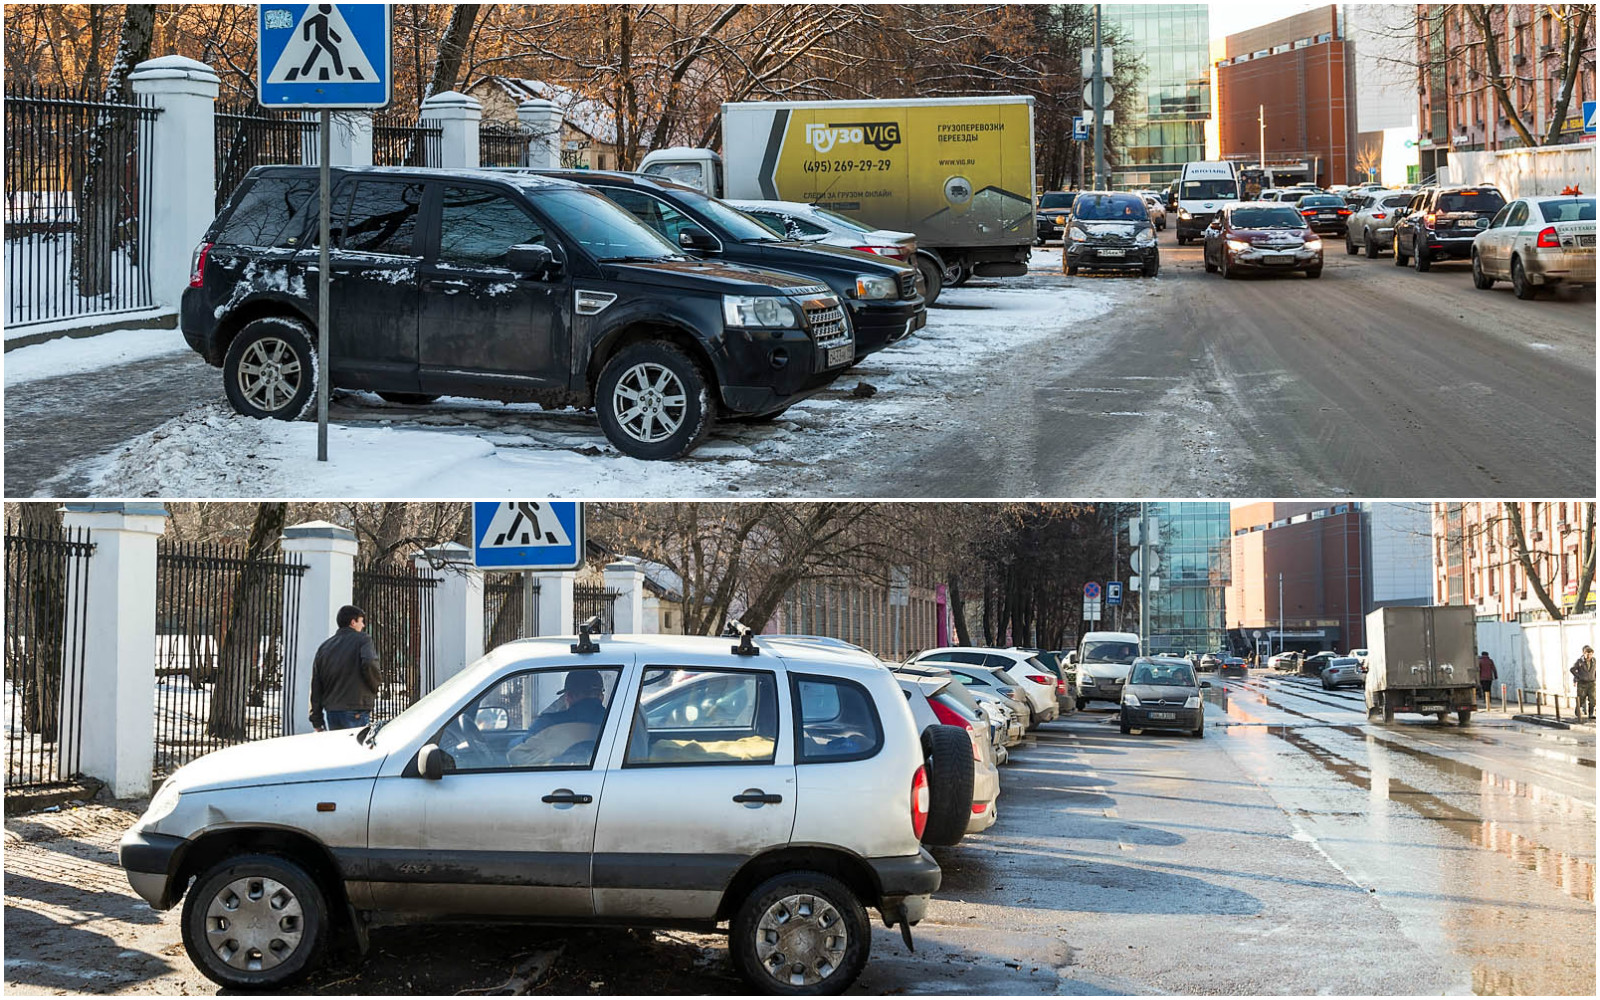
(1520, 284)
(1400, 259)
(408, 398)
(1369, 245)
(1420, 260)
(654, 401)
(948, 757)
(1480, 279)
(800, 934)
(255, 921)
(270, 369)
(932, 279)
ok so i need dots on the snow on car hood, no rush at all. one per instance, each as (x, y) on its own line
(330, 756)
(1094, 228)
(1270, 237)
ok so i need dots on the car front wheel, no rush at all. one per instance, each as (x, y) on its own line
(800, 934)
(1370, 245)
(270, 369)
(654, 401)
(255, 921)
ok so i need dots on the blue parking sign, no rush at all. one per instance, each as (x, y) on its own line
(1588, 118)
(323, 55)
(1080, 127)
(527, 534)
(1114, 593)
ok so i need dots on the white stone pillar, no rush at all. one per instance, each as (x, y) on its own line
(183, 180)
(628, 610)
(555, 603)
(544, 119)
(457, 608)
(349, 140)
(328, 552)
(458, 115)
(119, 643)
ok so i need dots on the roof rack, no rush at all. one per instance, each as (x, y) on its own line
(747, 644)
(584, 643)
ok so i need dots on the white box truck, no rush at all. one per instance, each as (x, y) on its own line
(1422, 660)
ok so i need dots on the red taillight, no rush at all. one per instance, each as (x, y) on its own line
(1308, 211)
(1379, 215)
(1038, 679)
(879, 251)
(1549, 238)
(919, 801)
(197, 265)
(978, 807)
(1344, 211)
(1429, 219)
(951, 717)
(1061, 687)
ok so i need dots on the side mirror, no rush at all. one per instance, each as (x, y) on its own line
(534, 259)
(695, 238)
(488, 719)
(430, 762)
(1205, 684)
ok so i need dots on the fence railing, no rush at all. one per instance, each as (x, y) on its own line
(398, 141)
(225, 646)
(77, 174)
(589, 600)
(503, 144)
(505, 609)
(398, 601)
(249, 136)
(46, 624)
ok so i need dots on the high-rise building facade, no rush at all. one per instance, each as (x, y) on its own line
(1173, 40)
(1186, 612)
(1476, 560)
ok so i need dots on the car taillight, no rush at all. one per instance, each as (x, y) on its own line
(1379, 215)
(197, 265)
(1429, 219)
(951, 717)
(879, 251)
(978, 807)
(1308, 211)
(1344, 211)
(1037, 678)
(1549, 238)
(919, 801)
(1061, 687)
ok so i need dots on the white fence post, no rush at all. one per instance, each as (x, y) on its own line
(119, 674)
(628, 607)
(349, 140)
(556, 606)
(457, 608)
(183, 181)
(328, 552)
(543, 118)
(457, 116)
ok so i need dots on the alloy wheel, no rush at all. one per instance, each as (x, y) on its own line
(269, 374)
(254, 923)
(801, 940)
(650, 402)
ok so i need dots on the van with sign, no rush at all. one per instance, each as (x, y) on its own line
(1103, 660)
(1203, 188)
(957, 171)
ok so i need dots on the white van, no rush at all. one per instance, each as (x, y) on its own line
(1203, 188)
(1104, 660)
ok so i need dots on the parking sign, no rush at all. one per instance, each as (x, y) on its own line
(323, 55)
(1588, 117)
(527, 534)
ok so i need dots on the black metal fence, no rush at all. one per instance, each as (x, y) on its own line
(589, 600)
(398, 141)
(505, 610)
(398, 601)
(77, 174)
(248, 135)
(226, 630)
(47, 619)
(503, 144)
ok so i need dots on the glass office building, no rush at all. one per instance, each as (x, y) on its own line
(1187, 611)
(1174, 42)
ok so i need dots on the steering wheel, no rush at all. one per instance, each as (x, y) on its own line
(465, 727)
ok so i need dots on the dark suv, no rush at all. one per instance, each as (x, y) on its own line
(1050, 221)
(500, 286)
(1441, 223)
(882, 296)
(1110, 230)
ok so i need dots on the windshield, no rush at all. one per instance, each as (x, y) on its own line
(1057, 199)
(605, 228)
(1266, 217)
(1568, 209)
(1109, 208)
(1470, 201)
(1110, 652)
(423, 715)
(1173, 674)
(842, 221)
(738, 225)
(1312, 201)
(1217, 189)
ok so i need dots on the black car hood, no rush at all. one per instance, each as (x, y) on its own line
(710, 276)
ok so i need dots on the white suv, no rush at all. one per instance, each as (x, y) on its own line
(1034, 680)
(626, 780)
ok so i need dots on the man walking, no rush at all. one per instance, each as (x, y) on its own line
(344, 675)
(1583, 673)
(1487, 674)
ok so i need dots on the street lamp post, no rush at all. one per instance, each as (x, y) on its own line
(1261, 123)
(1280, 612)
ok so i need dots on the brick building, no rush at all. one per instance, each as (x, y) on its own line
(1319, 552)
(1476, 563)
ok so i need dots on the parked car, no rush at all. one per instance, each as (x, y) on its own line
(1050, 220)
(1158, 211)
(880, 293)
(1536, 243)
(1370, 227)
(1163, 693)
(1251, 236)
(934, 708)
(1103, 660)
(473, 803)
(1360, 654)
(1324, 213)
(794, 220)
(502, 286)
(1312, 666)
(1030, 677)
(1209, 663)
(1063, 675)
(1288, 660)
(1441, 224)
(983, 679)
(1271, 194)
(1110, 230)
(1343, 671)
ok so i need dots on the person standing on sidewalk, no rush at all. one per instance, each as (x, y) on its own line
(1487, 674)
(344, 675)
(1583, 673)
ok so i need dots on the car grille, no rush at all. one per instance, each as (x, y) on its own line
(1110, 240)
(1161, 702)
(908, 285)
(828, 326)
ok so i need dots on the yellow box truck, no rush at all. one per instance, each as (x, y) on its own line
(956, 171)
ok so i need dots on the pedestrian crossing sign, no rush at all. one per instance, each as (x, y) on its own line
(527, 534)
(323, 55)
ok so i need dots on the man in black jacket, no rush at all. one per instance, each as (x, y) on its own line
(344, 675)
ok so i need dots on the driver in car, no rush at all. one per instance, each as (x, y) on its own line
(572, 719)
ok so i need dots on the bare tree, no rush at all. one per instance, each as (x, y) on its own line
(239, 646)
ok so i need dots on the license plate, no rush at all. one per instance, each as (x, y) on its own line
(1278, 258)
(1327, 215)
(1113, 253)
(1163, 715)
(841, 355)
(1426, 709)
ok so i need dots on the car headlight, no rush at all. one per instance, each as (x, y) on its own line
(757, 311)
(1238, 245)
(1183, 213)
(1193, 702)
(1077, 235)
(872, 286)
(161, 804)
(1313, 244)
(1145, 237)
(1061, 220)
(1130, 699)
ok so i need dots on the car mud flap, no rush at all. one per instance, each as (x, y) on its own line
(358, 927)
(905, 935)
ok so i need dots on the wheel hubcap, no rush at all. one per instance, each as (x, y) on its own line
(801, 940)
(650, 402)
(269, 374)
(254, 923)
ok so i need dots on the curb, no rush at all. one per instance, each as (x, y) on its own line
(27, 800)
(1540, 720)
(152, 319)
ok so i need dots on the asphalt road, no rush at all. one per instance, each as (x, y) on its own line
(1297, 849)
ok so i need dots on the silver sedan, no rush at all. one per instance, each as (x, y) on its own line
(1535, 243)
(1342, 671)
(1371, 224)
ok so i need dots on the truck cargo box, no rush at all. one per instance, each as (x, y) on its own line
(1433, 647)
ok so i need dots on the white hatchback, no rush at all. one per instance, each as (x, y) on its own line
(1032, 678)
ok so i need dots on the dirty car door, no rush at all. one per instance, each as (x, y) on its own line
(374, 253)
(509, 828)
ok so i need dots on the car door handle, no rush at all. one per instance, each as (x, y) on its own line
(567, 797)
(757, 795)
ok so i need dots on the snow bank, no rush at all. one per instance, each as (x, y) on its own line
(70, 356)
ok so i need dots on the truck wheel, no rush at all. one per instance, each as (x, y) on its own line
(409, 398)
(255, 921)
(932, 279)
(800, 934)
(1388, 711)
(270, 369)
(654, 401)
(1464, 716)
(948, 753)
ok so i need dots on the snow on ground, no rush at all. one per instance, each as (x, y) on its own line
(470, 447)
(71, 356)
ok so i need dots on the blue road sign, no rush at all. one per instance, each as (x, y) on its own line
(1091, 591)
(527, 534)
(1113, 593)
(1080, 127)
(1588, 118)
(323, 55)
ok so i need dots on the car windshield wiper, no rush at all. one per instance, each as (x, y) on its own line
(372, 735)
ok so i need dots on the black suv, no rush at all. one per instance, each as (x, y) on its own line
(1110, 230)
(882, 295)
(1050, 221)
(502, 286)
(1441, 223)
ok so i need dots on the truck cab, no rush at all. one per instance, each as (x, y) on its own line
(700, 169)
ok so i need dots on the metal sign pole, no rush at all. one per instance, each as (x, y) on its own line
(323, 281)
(1099, 110)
